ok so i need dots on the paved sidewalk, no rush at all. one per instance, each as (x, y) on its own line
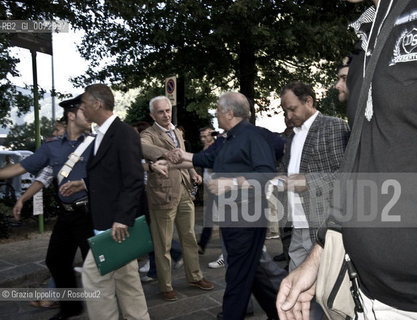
(22, 265)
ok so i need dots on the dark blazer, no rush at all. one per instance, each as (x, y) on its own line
(115, 178)
(321, 158)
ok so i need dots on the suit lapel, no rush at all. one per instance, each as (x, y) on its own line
(105, 143)
(164, 136)
(308, 149)
(180, 139)
(287, 154)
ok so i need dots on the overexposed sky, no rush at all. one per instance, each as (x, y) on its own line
(67, 63)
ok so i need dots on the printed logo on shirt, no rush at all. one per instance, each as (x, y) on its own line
(405, 49)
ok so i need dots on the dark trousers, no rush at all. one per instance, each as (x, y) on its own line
(244, 249)
(265, 288)
(70, 232)
(205, 237)
(285, 233)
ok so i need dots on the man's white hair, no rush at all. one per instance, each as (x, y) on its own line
(236, 102)
(151, 103)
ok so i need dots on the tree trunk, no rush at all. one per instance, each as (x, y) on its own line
(247, 74)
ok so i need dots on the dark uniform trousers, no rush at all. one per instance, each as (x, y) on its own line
(70, 232)
(244, 249)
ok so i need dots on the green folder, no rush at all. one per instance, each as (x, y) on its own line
(111, 255)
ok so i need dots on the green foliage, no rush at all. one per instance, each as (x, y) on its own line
(331, 106)
(139, 109)
(22, 137)
(10, 96)
(50, 204)
(254, 46)
(5, 212)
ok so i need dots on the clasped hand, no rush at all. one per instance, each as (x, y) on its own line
(175, 155)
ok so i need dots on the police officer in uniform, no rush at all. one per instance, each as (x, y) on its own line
(73, 226)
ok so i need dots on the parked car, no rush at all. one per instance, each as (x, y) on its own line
(18, 184)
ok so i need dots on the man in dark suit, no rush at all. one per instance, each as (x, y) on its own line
(115, 185)
(313, 155)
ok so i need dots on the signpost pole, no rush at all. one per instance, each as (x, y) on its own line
(35, 42)
(36, 111)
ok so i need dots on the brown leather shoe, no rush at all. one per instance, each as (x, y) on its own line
(170, 295)
(203, 284)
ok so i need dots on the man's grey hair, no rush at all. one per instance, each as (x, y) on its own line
(235, 102)
(151, 103)
(103, 93)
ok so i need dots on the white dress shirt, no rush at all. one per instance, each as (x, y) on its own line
(297, 145)
(170, 133)
(101, 131)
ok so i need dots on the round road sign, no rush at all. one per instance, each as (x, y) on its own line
(170, 86)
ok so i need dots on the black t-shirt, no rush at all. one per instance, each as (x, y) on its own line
(386, 257)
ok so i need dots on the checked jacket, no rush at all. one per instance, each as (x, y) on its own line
(320, 161)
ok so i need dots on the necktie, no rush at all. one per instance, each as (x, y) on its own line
(173, 138)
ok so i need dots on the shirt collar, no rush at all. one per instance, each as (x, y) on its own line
(233, 131)
(171, 127)
(106, 125)
(307, 124)
(80, 138)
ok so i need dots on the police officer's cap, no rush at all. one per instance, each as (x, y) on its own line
(73, 103)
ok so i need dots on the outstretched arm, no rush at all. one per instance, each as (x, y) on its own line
(33, 188)
(298, 288)
(165, 164)
(12, 171)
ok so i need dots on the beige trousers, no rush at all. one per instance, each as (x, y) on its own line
(162, 229)
(121, 286)
(375, 310)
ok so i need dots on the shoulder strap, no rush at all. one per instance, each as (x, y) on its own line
(73, 159)
(353, 144)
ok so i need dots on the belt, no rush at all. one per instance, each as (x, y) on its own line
(76, 206)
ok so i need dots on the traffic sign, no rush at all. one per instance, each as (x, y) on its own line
(171, 89)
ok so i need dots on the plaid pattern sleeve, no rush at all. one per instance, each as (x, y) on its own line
(321, 159)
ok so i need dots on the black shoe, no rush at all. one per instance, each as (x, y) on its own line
(63, 316)
(280, 257)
